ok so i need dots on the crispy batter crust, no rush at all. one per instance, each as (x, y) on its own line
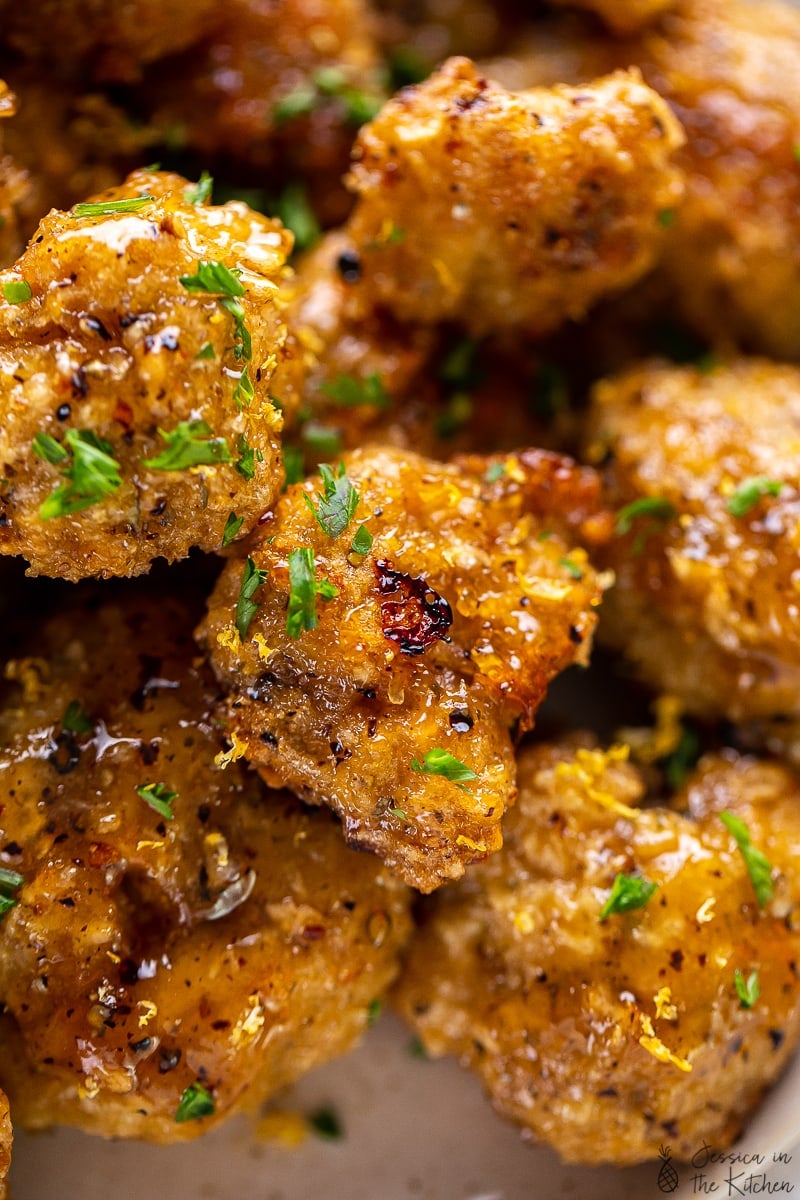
(510, 210)
(623, 16)
(340, 713)
(570, 1022)
(706, 603)
(109, 342)
(237, 944)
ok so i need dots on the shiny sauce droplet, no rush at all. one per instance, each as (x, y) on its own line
(413, 614)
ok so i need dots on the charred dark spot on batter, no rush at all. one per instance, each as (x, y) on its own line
(65, 755)
(413, 614)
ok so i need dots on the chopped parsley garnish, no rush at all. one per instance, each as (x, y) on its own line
(748, 494)
(196, 1102)
(159, 797)
(298, 103)
(190, 444)
(107, 208)
(338, 501)
(416, 1048)
(198, 193)
(458, 367)
(293, 467)
(10, 882)
(759, 868)
(327, 81)
(244, 391)
(656, 507)
(572, 567)
(362, 541)
(17, 291)
(213, 278)
(325, 1122)
(75, 719)
(349, 391)
(666, 218)
(550, 392)
(206, 352)
(295, 211)
(246, 606)
(406, 65)
(90, 471)
(322, 439)
(374, 1010)
(494, 472)
(678, 764)
(232, 527)
(455, 415)
(628, 892)
(748, 990)
(442, 762)
(246, 462)
(301, 614)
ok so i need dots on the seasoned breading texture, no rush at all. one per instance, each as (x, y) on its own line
(623, 16)
(103, 39)
(606, 1038)
(728, 68)
(136, 410)
(435, 640)
(503, 210)
(705, 599)
(5, 1145)
(279, 83)
(234, 943)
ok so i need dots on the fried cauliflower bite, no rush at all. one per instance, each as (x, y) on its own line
(502, 210)
(12, 184)
(623, 16)
(628, 1026)
(706, 602)
(280, 85)
(140, 351)
(728, 68)
(179, 932)
(389, 694)
(5, 1145)
(103, 39)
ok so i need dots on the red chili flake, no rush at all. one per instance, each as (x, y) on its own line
(412, 614)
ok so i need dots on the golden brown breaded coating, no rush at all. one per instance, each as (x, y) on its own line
(728, 68)
(12, 184)
(179, 931)
(136, 410)
(608, 1037)
(278, 84)
(706, 603)
(623, 16)
(502, 210)
(103, 39)
(430, 643)
(5, 1145)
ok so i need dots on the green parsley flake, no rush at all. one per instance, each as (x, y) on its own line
(301, 613)
(298, 103)
(362, 541)
(441, 762)
(572, 567)
(494, 472)
(91, 472)
(759, 868)
(75, 719)
(295, 211)
(213, 278)
(17, 291)
(191, 444)
(458, 367)
(678, 764)
(196, 1102)
(244, 391)
(550, 392)
(748, 990)
(206, 352)
(374, 1010)
(455, 415)
(321, 439)
(338, 501)
(246, 606)
(232, 527)
(108, 208)
(10, 882)
(656, 507)
(628, 892)
(348, 391)
(293, 465)
(748, 494)
(159, 797)
(325, 1122)
(198, 193)
(246, 463)
(666, 218)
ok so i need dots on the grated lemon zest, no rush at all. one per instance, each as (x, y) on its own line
(587, 770)
(250, 1023)
(705, 912)
(468, 842)
(287, 1129)
(226, 757)
(146, 845)
(264, 650)
(648, 745)
(149, 1010)
(523, 922)
(665, 1009)
(229, 638)
(653, 1045)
